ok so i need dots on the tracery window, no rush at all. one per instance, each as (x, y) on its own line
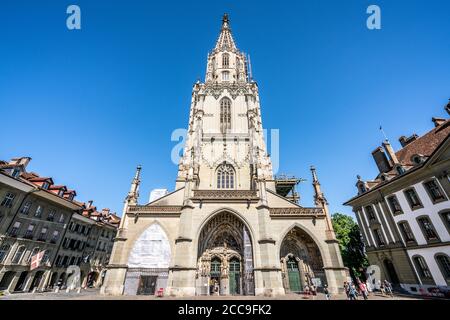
(225, 177)
(225, 114)
(225, 76)
(225, 60)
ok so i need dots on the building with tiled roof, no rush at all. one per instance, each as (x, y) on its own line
(404, 213)
(34, 215)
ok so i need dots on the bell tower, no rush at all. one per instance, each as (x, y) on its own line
(225, 146)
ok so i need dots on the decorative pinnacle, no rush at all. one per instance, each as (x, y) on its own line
(314, 174)
(225, 21)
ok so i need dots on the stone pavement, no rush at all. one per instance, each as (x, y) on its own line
(92, 294)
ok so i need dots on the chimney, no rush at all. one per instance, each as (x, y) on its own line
(89, 203)
(404, 141)
(437, 121)
(381, 160)
(390, 151)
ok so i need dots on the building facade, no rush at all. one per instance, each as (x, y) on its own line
(229, 227)
(38, 216)
(34, 213)
(404, 213)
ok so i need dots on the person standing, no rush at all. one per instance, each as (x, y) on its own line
(388, 288)
(352, 292)
(326, 292)
(382, 289)
(346, 289)
(369, 287)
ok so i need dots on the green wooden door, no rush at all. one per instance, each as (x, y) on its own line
(294, 276)
(235, 276)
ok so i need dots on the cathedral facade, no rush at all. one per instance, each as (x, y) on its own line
(230, 227)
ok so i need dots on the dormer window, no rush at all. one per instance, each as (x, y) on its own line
(417, 159)
(400, 169)
(61, 192)
(15, 173)
(45, 185)
(362, 188)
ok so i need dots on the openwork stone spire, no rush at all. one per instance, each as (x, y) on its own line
(133, 194)
(225, 41)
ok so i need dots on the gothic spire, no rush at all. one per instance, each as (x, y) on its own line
(225, 42)
(320, 201)
(133, 194)
(319, 198)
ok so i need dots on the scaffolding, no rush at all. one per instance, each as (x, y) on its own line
(285, 186)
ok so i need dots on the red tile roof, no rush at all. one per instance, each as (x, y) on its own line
(424, 145)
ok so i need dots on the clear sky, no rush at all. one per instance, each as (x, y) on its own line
(89, 105)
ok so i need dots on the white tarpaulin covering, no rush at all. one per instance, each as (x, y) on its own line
(151, 250)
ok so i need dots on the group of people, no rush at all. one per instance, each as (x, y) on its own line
(364, 289)
(310, 290)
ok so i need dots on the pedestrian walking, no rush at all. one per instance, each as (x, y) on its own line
(363, 290)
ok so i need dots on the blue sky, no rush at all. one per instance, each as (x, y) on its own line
(89, 105)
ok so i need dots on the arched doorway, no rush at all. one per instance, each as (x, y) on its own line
(20, 285)
(53, 280)
(92, 279)
(36, 280)
(301, 261)
(293, 272)
(235, 276)
(390, 272)
(148, 262)
(6, 279)
(225, 258)
(62, 280)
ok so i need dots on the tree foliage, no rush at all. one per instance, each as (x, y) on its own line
(350, 243)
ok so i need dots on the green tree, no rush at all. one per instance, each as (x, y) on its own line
(350, 243)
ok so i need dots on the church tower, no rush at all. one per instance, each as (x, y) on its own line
(229, 227)
(225, 146)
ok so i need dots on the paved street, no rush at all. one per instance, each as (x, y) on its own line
(91, 294)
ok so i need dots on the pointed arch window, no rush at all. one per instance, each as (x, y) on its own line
(225, 76)
(225, 114)
(18, 255)
(225, 60)
(225, 177)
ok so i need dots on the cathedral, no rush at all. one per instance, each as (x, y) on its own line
(230, 227)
